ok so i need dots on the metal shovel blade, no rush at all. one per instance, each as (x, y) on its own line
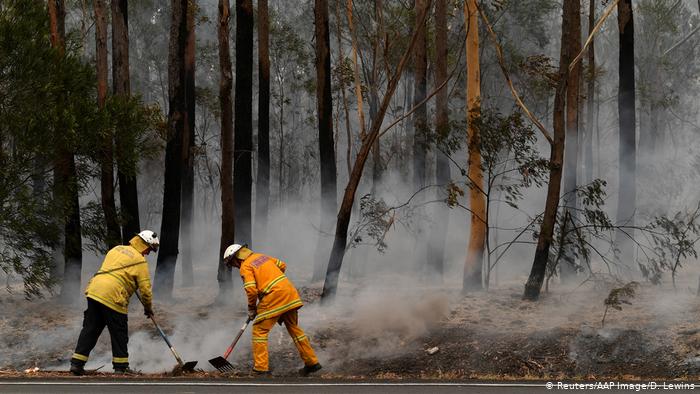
(189, 366)
(221, 364)
(184, 368)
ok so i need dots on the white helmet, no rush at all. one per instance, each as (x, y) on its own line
(231, 251)
(150, 238)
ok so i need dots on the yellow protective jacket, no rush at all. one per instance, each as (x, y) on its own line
(264, 280)
(123, 269)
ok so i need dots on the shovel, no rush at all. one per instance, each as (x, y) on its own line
(221, 363)
(181, 366)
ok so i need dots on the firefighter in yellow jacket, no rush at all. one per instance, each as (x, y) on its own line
(272, 298)
(123, 271)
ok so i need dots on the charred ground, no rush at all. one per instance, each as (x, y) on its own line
(492, 335)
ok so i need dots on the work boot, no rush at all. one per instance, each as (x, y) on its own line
(125, 371)
(309, 369)
(255, 372)
(77, 370)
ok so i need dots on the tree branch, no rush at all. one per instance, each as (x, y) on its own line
(679, 43)
(593, 32)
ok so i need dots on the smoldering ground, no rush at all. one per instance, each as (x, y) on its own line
(363, 325)
(388, 309)
(384, 318)
(378, 312)
(385, 333)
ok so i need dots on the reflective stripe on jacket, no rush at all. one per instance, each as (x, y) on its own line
(264, 279)
(123, 269)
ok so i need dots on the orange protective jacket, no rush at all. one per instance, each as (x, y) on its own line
(264, 281)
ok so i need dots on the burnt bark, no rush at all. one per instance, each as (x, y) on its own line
(590, 97)
(57, 15)
(436, 247)
(567, 265)
(126, 161)
(188, 152)
(326, 145)
(107, 148)
(341, 60)
(335, 262)
(420, 125)
(262, 187)
(72, 247)
(66, 191)
(243, 120)
(225, 86)
(544, 240)
(627, 138)
(374, 97)
(177, 117)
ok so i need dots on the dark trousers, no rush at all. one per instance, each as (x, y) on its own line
(96, 317)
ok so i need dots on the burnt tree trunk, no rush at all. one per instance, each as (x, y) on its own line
(335, 262)
(326, 145)
(436, 247)
(590, 97)
(420, 126)
(627, 143)
(341, 60)
(188, 151)
(374, 97)
(544, 240)
(177, 117)
(57, 16)
(225, 85)
(262, 187)
(571, 163)
(107, 149)
(243, 120)
(126, 163)
(65, 177)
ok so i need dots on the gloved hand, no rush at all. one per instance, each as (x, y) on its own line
(252, 312)
(148, 311)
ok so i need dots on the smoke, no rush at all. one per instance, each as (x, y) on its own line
(387, 302)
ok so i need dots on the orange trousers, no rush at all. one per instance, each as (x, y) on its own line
(261, 331)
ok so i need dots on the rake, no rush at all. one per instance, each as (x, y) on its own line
(181, 366)
(221, 363)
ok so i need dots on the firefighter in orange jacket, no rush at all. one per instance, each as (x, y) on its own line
(272, 298)
(123, 271)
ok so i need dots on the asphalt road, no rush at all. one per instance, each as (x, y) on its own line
(162, 386)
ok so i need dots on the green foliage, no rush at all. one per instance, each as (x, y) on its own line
(27, 231)
(343, 77)
(619, 296)
(542, 74)
(292, 55)
(48, 104)
(510, 163)
(454, 192)
(673, 242)
(665, 243)
(141, 127)
(510, 160)
(376, 218)
(531, 19)
(33, 98)
(577, 227)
